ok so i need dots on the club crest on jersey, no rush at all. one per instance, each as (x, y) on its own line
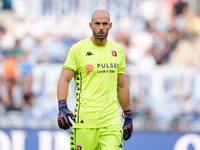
(89, 68)
(79, 147)
(114, 53)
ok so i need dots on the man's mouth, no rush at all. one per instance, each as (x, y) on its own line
(101, 33)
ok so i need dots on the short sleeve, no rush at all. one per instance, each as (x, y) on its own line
(71, 60)
(122, 63)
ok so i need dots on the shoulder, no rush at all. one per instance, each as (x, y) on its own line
(76, 46)
(82, 42)
(115, 46)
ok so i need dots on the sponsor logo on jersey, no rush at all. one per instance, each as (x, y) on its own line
(89, 68)
(89, 53)
(107, 65)
(79, 147)
(114, 53)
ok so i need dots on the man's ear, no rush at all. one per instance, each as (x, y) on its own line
(110, 26)
(90, 24)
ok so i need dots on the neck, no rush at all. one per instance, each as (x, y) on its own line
(98, 42)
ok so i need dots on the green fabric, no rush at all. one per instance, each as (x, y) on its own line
(105, 138)
(96, 71)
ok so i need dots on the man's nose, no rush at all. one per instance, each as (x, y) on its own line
(101, 26)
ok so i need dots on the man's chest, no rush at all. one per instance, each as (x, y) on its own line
(106, 61)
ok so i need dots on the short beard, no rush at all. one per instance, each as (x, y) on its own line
(97, 37)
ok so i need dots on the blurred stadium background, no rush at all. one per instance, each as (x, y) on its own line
(161, 41)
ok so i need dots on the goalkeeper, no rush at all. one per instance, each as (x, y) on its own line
(98, 68)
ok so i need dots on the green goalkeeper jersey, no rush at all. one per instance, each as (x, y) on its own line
(96, 71)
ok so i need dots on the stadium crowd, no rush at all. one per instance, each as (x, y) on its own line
(161, 44)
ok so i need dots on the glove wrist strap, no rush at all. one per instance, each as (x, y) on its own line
(62, 104)
(127, 115)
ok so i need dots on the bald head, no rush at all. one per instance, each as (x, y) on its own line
(100, 12)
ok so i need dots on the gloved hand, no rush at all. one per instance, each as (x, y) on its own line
(64, 112)
(128, 125)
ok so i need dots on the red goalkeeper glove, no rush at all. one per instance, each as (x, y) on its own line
(63, 115)
(128, 125)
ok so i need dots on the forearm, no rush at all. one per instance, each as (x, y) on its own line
(63, 84)
(123, 95)
(62, 90)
